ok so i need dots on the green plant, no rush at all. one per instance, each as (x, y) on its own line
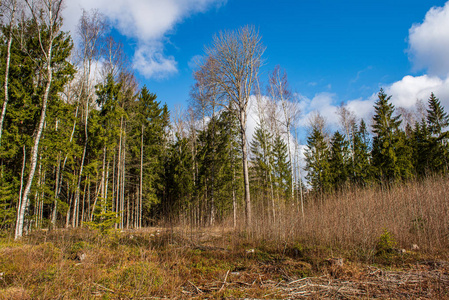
(385, 244)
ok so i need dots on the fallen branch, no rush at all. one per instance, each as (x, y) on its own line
(224, 281)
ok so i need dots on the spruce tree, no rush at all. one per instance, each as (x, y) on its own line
(262, 158)
(317, 163)
(386, 139)
(339, 160)
(361, 171)
(423, 151)
(438, 121)
(282, 167)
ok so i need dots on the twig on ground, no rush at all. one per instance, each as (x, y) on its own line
(224, 281)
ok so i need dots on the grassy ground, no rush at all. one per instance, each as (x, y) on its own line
(378, 242)
(218, 263)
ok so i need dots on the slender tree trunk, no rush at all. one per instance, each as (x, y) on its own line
(106, 184)
(41, 209)
(119, 207)
(212, 188)
(8, 61)
(103, 177)
(21, 182)
(67, 217)
(290, 157)
(123, 182)
(141, 182)
(35, 150)
(84, 203)
(245, 169)
(97, 192)
(55, 205)
(60, 180)
(36, 195)
(78, 185)
(88, 198)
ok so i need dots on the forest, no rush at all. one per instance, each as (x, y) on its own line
(105, 192)
(82, 144)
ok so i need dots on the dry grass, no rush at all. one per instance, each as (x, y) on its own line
(270, 260)
(355, 219)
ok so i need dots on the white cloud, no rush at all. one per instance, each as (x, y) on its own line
(429, 42)
(324, 103)
(147, 21)
(151, 63)
(428, 49)
(406, 91)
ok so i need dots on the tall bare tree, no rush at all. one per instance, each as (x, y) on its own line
(205, 100)
(281, 93)
(238, 56)
(90, 29)
(46, 13)
(348, 122)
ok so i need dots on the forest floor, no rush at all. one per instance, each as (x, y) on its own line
(213, 263)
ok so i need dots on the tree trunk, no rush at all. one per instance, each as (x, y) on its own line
(123, 182)
(141, 182)
(21, 182)
(55, 206)
(35, 150)
(245, 168)
(118, 197)
(8, 60)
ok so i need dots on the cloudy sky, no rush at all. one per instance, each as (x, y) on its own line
(333, 51)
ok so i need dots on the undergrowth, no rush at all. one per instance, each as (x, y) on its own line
(361, 227)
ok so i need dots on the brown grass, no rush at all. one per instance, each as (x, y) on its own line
(354, 219)
(362, 226)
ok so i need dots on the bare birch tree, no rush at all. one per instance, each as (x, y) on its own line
(238, 56)
(45, 13)
(205, 99)
(281, 93)
(90, 28)
(348, 123)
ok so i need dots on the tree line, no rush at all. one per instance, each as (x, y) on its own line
(81, 144)
(396, 149)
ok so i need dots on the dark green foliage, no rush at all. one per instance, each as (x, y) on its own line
(218, 161)
(437, 119)
(149, 122)
(317, 162)
(339, 160)
(438, 122)
(361, 170)
(281, 167)
(7, 200)
(179, 180)
(262, 160)
(391, 154)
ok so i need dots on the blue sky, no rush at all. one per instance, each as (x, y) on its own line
(333, 51)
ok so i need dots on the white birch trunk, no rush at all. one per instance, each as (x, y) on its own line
(8, 60)
(35, 150)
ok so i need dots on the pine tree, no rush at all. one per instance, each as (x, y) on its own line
(386, 140)
(262, 159)
(317, 163)
(282, 167)
(423, 151)
(361, 170)
(339, 160)
(438, 121)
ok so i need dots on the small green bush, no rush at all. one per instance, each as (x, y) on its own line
(385, 244)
